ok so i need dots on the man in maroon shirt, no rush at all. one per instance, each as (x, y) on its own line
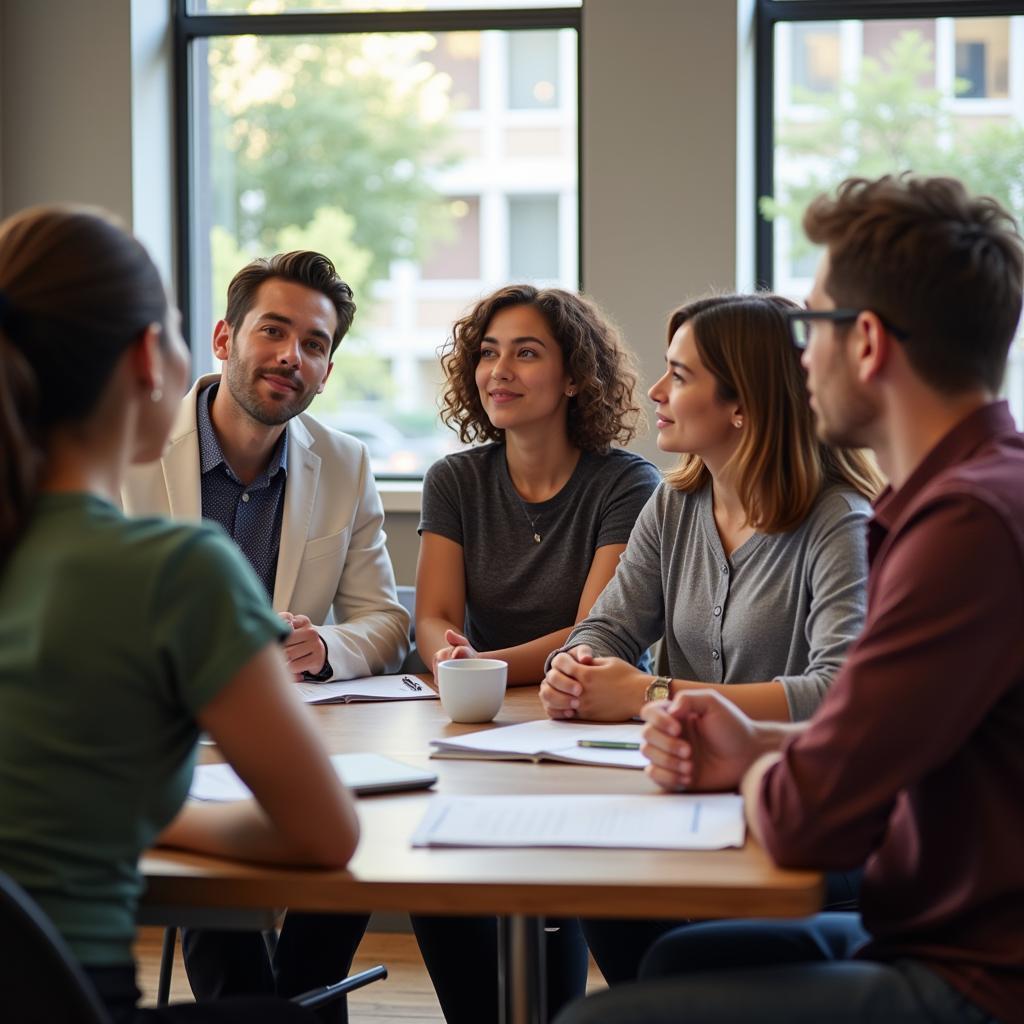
(914, 764)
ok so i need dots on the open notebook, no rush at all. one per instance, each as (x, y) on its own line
(347, 691)
(546, 741)
(362, 773)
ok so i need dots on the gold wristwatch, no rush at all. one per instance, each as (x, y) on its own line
(660, 688)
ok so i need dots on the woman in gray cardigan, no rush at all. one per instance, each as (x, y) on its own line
(750, 559)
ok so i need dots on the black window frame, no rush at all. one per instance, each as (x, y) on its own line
(770, 13)
(188, 28)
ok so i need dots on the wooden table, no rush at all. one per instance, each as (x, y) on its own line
(521, 886)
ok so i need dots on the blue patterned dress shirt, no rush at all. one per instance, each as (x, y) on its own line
(251, 515)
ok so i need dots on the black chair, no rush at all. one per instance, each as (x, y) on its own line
(41, 982)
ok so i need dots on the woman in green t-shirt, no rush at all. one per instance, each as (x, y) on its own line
(121, 638)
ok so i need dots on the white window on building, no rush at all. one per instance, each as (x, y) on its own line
(533, 71)
(982, 58)
(533, 238)
(814, 57)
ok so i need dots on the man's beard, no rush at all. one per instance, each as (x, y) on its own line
(271, 413)
(848, 428)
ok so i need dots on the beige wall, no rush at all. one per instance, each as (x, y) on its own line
(659, 162)
(85, 115)
(65, 86)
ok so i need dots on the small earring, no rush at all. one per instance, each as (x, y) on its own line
(156, 395)
(737, 424)
(571, 393)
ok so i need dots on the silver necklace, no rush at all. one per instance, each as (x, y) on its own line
(532, 520)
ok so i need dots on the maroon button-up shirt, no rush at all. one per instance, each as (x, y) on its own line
(915, 761)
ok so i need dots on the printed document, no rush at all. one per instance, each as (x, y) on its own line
(664, 822)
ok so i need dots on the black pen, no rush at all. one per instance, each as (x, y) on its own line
(411, 683)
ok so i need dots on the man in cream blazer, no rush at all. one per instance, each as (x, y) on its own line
(332, 561)
(297, 497)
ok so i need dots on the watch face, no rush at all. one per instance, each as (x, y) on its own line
(658, 690)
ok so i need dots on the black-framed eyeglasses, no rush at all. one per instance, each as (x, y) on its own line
(801, 320)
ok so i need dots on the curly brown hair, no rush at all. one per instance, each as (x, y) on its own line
(604, 371)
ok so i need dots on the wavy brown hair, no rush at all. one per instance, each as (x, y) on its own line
(781, 465)
(604, 409)
(310, 269)
(943, 265)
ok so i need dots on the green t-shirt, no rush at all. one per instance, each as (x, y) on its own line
(114, 634)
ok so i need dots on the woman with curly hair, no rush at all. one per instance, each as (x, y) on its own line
(519, 536)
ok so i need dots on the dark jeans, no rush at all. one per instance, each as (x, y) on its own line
(775, 972)
(461, 954)
(118, 992)
(312, 950)
(618, 945)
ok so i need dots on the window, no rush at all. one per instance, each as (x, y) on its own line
(815, 57)
(845, 92)
(533, 71)
(983, 57)
(399, 142)
(533, 238)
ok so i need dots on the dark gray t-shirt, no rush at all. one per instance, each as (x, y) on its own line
(517, 589)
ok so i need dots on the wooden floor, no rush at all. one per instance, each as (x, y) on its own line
(406, 995)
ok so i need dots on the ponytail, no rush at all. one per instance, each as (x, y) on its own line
(20, 451)
(75, 291)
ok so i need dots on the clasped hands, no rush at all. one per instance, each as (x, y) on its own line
(578, 685)
(700, 741)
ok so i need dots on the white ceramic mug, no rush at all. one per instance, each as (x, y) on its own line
(472, 689)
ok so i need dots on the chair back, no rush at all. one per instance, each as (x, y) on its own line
(407, 599)
(413, 660)
(41, 982)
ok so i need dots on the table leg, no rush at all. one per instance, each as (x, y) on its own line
(522, 982)
(163, 992)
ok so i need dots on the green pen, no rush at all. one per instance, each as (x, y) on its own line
(608, 744)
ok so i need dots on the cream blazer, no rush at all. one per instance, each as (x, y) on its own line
(332, 564)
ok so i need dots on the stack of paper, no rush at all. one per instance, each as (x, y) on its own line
(548, 741)
(371, 688)
(362, 773)
(706, 822)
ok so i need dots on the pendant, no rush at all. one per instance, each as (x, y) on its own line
(536, 538)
